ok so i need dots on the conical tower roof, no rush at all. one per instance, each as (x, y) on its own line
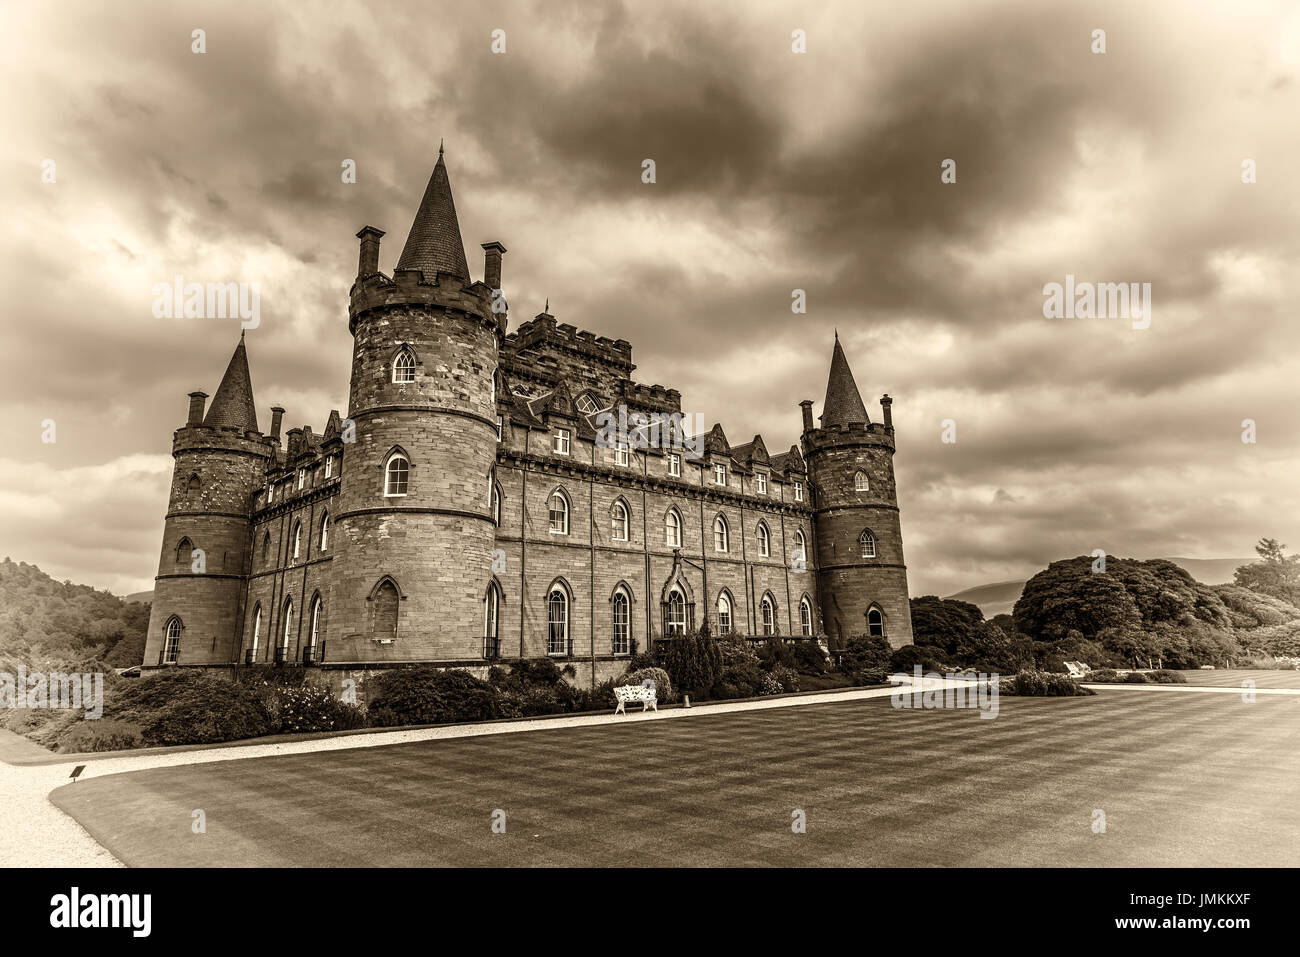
(233, 403)
(434, 244)
(843, 402)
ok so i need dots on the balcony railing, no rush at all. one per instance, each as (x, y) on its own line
(492, 648)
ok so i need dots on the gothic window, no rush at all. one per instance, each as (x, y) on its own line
(800, 546)
(673, 529)
(764, 541)
(496, 504)
(587, 405)
(297, 540)
(404, 366)
(876, 623)
(557, 621)
(867, 541)
(288, 629)
(257, 628)
(385, 600)
(768, 609)
(675, 617)
(805, 617)
(860, 481)
(619, 522)
(622, 623)
(491, 620)
(266, 548)
(397, 471)
(315, 622)
(724, 613)
(559, 513)
(192, 489)
(721, 535)
(325, 531)
(172, 644)
(184, 552)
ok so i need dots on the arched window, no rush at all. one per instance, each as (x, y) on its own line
(172, 643)
(559, 512)
(491, 620)
(396, 473)
(676, 613)
(557, 621)
(184, 552)
(283, 651)
(768, 607)
(496, 504)
(404, 366)
(800, 546)
(860, 481)
(385, 599)
(724, 613)
(764, 541)
(297, 540)
(587, 405)
(266, 549)
(192, 489)
(618, 522)
(805, 617)
(876, 622)
(315, 622)
(257, 628)
(325, 531)
(622, 623)
(673, 529)
(721, 535)
(867, 541)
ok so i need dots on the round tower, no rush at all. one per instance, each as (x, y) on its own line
(220, 459)
(414, 526)
(862, 577)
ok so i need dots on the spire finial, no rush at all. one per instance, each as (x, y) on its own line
(837, 335)
(547, 308)
(440, 146)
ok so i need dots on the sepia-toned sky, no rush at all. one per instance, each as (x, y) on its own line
(775, 171)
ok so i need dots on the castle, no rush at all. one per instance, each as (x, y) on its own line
(471, 508)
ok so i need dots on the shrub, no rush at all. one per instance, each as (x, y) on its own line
(906, 658)
(871, 677)
(809, 657)
(104, 734)
(428, 695)
(1039, 684)
(775, 653)
(599, 698)
(205, 711)
(1104, 676)
(1168, 678)
(788, 677)
(312, 708)
(741, 675)
(663, 685)
(864, 654)
(540, 671)
(1135, 678)
(693, 663)
(771, 685)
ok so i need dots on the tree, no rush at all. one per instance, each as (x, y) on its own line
(944, 623)
(1276, 573)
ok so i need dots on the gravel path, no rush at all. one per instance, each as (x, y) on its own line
(34, 833)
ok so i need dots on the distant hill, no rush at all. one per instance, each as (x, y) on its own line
(47, 623)
(999, 598)
(144, 596)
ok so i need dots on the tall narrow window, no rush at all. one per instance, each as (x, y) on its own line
(721, 535)
(184, 553)
(764, 541)
(674, 465)
(557, 622)
(559, 513)
(876, 623)
(620, 452)
(673, 529)
(676, 614)
(496, 504)
(192, 489)
(257, 628)
(172, 644)
(860, 481)
(297, 540)
(325, 531)
(622, 624)
(491, 618)
(329, 465)
(619, 522)
(768, 609)
(404, 367)
(805, 618)
(798, 491)
(386, 601)
(266, 548)
(560, 441)
(501, 428)
(800, 546)
(396, 474)
(314, 634)
(724, 613)
(283, 652)
(719, 474)
(761, 480)
(302, 478)
(867, 541)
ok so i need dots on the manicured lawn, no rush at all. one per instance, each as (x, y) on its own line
(1233, 677)
(1183, 779)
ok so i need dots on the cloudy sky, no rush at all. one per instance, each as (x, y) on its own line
(775, 171)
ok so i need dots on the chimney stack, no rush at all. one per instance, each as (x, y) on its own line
(369, 264)
(492, 253)
(196, 408)
(886, 404)
(806, 405)
(276, 414)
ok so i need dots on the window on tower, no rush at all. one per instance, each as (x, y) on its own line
(860, 482)
(396, 474)
(404, 366)
(867, 543)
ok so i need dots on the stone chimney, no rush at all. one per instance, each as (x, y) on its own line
(369, 263)
(806, 406)
(492, 253)
(277, 413)
(886, 405)
(196, 408)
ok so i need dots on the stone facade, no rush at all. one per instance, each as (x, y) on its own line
(472, 508)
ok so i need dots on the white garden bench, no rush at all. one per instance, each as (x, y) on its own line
(643, 693)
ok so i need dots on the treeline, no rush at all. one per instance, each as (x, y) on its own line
(1125, 613)
(49, 624)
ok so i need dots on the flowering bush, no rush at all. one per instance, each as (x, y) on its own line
(312, 708)
(771, 685)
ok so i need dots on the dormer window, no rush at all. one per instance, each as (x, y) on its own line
(404, 366)
(719, 475)
(761, 480)
(560, 442)
(798, 491)
(620, 452)
(329, 465)
(674, 465)
(587, 405)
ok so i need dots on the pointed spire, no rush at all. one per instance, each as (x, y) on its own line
(843, 401)
(434, 244)
(233, 403)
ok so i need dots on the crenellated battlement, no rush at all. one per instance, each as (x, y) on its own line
(850, 434)
(543, 331)
(411, 287)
